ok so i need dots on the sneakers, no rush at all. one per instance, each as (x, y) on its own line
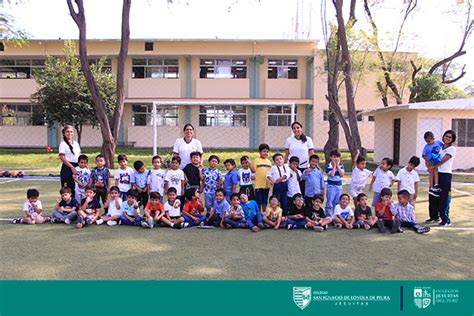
(396, 227)
(67, 221)
(318, 228)
(437, 189)
(184, 225)
(145, 224)
(177, 225)
(18, 220)
(306, 226)
(381, 226)
(444, 224)
(367, 227)
(290, 226)
(355, 226)
(150, 221)
(423, 229)
(88, 220)
(80, 222)
(261, 226)
(431, 221)
(53, 220)
(111, 223)
(228, 225)
(255, 229)
(338, 226)
(325, 227)
(100, 221)
(434, 192)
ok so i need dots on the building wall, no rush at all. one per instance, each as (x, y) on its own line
(23, 136)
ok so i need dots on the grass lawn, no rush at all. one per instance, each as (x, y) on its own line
(101, 252)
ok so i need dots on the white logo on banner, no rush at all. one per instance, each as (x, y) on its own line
(302, 296)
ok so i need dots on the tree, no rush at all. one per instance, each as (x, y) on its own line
(8, 31)
(64, 94)
(109, 128)
(431, 88)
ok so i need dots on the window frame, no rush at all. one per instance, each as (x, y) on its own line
(279, 115)
(464, 138)
(163, 63)
(281, 64)
(233, 63)
(216, 115)
(29, 68)
(20, 116)
(162, 115)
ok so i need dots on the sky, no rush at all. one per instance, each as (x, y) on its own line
(434, 29)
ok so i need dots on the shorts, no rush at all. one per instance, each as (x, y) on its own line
(261, 196)
(354, 191)
(175, 217)
(209, 199)
(435, 158)
(377, 198)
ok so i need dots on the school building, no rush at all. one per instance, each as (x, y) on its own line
(236, 93)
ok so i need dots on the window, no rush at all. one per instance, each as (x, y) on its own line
(155, 68)
(346, 115)
(21, 115)
(223, 69)
(371, 118)
(166, 115)
(2, 47)
(19, 68)
(210, 115)
(279, 115)
(149, 46)
(107, 67)
(464, 129)
(282, 69)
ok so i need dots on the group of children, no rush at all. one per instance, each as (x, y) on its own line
(239, 199)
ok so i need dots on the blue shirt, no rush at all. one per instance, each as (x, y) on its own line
(250, 209)
(230, 179)
(336, 179)
(140, 179)
(100, 176)
(432, 149)
(129, 209)
(314, 182)
(211, 180)
(221, 207)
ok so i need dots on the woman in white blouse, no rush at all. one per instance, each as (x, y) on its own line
(183, 147)
(69, 151)
(439, 206)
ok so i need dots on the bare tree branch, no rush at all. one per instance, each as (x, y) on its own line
(457, 78)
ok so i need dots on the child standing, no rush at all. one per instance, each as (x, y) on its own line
(260, 168)
(139, 182)
(81, 178)
(173, 210)
(246, 178)
(432, 157)
(296, 213)
(234, 215)
(316, 215)
(359, 176)
(382, 178)
(314, 180)
(192, 210)
(33, 210)
(274, 215)
(212, 178)
(156, 180)
(335, 172)
(294, 179)
(131, 210)
(343, 214)
(251, 212)
(193, 172)
(100, 179)
(114, 204)
(278, 176)
(405, 213)
(214, 217)
(231, 179)
(65, 210)
(408, 179)
(384, 214)
(363, 213)
(154, 212)
(123, 176)
(90, 209)
(175, 177)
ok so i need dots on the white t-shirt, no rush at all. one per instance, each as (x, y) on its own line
(27, 207)
(408, 179)
(173, 210)
(359, 178)
(174, 178)
(113, 208)
(156, 180)
(83, 175)
(344, 212)
(447, 167)
(382, 179)
(299, 149)
(184, 150)
(124, 177)
(245, 177)
(293, 184)
(64, 150)
(276, 172)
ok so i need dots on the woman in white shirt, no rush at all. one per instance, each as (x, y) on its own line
(69, 151)
(183, 147)
(439, 206)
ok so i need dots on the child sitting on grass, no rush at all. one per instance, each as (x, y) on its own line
(173, 210)
(296, 213)
(234, 215)
(214, 217)
(405, 213)
(65, 210)
(343, 215)
(33, 210)
(316, 215)
(274, 215)
(154, 212)
(252, 213)
(192, 210)
(90, 208)
(384, 214)
(363, 213)
(114, 204)
(131, 209)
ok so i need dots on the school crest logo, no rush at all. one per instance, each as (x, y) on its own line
(302, 296)
(422, 297)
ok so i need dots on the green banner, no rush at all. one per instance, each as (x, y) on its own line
(236, 298)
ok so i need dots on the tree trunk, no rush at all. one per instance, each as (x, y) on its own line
(108, 151)
(333, 135)
(79, 132)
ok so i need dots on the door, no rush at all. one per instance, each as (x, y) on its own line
(434, 125)
(396, 141)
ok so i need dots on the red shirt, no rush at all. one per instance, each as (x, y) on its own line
(153, 208)
(193, 208)
(387, 214)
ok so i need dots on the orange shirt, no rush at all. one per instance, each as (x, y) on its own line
(153, 208)
(387, 214)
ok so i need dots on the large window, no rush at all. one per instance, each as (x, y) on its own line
(464, 129)
(223, 68)
(19, 68)
(346, 116)
(167, 68)
(282, 69)
(166, 115)
(210, 115)
(21, 115)
(279, 115)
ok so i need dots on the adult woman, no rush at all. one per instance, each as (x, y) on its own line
(301, 146)
(183, 147)
(439, 206)
(69, 151)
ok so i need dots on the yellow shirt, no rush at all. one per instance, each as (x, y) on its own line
(273, 214)
(262, 166)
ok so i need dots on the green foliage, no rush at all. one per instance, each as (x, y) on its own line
(431, 88)
(64, 94)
